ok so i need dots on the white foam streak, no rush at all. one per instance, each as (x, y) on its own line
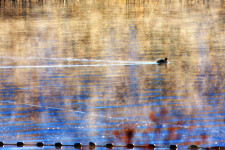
(109, 63)
(83, 60)
(63, 66)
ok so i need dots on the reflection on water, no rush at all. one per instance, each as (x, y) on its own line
(80, 71)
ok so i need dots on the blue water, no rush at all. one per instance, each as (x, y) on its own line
(55, 114)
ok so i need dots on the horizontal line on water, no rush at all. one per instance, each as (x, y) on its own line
(84, 60)
(118, 63)
(64, 66)
(70, 110)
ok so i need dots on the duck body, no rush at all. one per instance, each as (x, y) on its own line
(162, 61)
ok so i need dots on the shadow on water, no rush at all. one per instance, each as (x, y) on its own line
(81, 71)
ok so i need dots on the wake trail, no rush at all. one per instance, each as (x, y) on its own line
(113, 62)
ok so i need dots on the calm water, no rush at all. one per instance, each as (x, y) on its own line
(81, 71)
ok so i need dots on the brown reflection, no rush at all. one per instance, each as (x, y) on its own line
(190, 33)
(126, 135)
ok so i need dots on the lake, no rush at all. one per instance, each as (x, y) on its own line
(80, 71)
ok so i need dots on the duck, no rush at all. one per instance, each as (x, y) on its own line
(162, 61)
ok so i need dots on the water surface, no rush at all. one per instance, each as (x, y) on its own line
(81, 71)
